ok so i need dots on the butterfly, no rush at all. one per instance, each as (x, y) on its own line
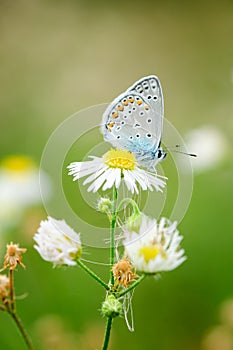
(134, 121)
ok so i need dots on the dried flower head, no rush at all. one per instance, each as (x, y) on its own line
(4, 286)
(123, 272)
(13, 256)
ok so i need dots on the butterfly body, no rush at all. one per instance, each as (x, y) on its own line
(133, 121)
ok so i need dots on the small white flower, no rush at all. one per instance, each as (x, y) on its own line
(57, 242)
(155, 247)
(210, 145)
(113, 167)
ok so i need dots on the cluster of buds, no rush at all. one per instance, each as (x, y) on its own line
(112, 307)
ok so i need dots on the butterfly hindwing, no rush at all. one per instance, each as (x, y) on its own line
(128, 123)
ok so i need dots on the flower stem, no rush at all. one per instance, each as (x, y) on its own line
(12, 311)
(12, 301)
(22, 330)
(107, 333)
(132, 286)
(112, 233)
(92, 274)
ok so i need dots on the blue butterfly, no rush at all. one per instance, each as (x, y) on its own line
(134, 121)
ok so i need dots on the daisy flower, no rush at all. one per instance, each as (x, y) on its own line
(114, 167)
(57, 242)
(155, 245)
(20, 184)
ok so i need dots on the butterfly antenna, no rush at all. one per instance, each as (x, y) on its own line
(180, 152)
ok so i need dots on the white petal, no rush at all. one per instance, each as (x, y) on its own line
(96, 174)
(99, 181)
(130, 181)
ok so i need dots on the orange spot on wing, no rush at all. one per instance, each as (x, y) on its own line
(120, 108)
(139, 102)
(131, 100)
(110, 125)
(115, 115)
(146, 107)
(125, 103)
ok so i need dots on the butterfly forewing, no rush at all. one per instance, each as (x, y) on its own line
(133, 121)
(150, 88)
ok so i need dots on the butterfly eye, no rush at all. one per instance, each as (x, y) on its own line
(160, 154)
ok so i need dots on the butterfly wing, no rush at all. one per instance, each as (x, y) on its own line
(150, 88)
(128, 123)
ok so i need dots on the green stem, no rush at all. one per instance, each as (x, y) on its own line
(112, 234)
(107, 333)
(132, 286)
(22, 330)
(92, 274)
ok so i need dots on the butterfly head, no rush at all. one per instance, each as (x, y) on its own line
(159, 154)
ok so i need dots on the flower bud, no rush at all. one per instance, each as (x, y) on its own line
(104, 205)
(112, 307)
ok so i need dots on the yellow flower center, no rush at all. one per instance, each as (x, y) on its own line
(150, 252)
(120, 159)
(17, 163)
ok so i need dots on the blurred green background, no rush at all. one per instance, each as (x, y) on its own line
(57, 57)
